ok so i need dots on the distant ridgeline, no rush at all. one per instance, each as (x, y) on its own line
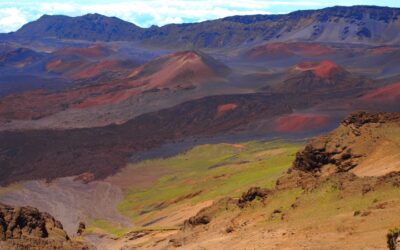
(357, 24)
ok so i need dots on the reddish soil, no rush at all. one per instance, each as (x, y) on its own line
(93, 51)
(50, 66)
(289, 49)
(320, 78)
(307, 49)
(177, 71)
(322, 69)
(388, 94)
(383, 50)
(300, 122)
(226, 107)
(63, 66)
(40, 103)
(96, 69)
(270, 49)
(181, 69)
(33, 104)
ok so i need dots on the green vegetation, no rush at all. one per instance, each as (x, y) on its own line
(105, 226)
(325, 204)
(328, 201)
(209, 172)
(281, 201)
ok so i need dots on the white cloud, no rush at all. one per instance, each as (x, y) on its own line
(11, 19)
(56, 8)
(169, 19)
(146, 13)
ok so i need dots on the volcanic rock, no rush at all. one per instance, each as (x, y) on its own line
(252, 194)
(18, 223)
(28, 228)
(347, 146)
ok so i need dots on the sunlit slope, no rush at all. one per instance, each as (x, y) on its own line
(162, 193)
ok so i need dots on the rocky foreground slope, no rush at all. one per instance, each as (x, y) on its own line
(342, 192)
(28, 228)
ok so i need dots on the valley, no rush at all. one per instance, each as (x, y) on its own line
(245, 132)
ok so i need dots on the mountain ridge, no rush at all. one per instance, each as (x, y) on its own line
(95, 27)
(355, 24)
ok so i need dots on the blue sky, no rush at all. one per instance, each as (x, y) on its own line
(13, 14)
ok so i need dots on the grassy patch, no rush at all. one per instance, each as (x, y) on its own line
(217, 170)
(327, 202)
(107, 227)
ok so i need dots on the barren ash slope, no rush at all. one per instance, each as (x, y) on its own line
(133, 138)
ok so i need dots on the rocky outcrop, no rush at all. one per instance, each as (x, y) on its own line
(313, 158)
(206, 215)
(342, 149)
(81, 228)
(393, 239)
(252, 194)
(28, 228)
(18, 223)
(199, 219)
(357, 119)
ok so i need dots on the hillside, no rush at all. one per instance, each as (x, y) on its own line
(89, 27)
(357, 24)
(342, 185)
(328, 199)
(321, 77)
(112, 82)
